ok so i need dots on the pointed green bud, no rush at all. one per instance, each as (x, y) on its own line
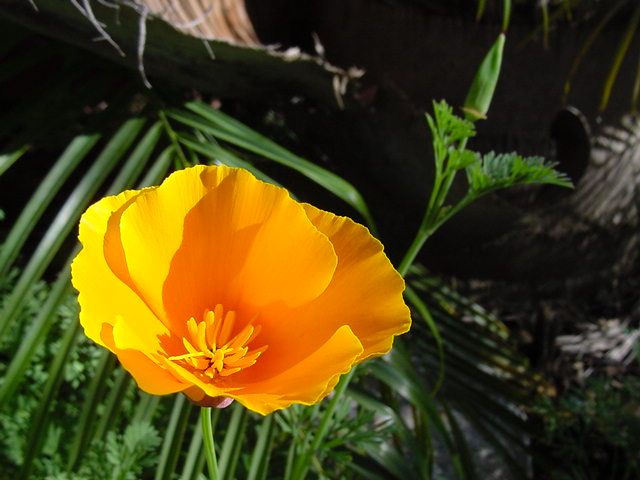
(484, 84)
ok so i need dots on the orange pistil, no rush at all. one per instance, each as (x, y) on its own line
(211, 349)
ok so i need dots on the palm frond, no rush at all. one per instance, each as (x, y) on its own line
(486, 387)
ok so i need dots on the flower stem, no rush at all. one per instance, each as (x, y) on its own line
(433, 217)
(412, 252)
(209, 447)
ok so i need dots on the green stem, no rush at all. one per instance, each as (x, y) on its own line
(209, 447)
(447, 180)
(432, 219)
(424, 230)
(413, 250)
(429, 225)
(297, 442)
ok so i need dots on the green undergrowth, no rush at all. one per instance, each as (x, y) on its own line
(592, 431)
(124, 453)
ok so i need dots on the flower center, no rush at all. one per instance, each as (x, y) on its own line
(212, 350)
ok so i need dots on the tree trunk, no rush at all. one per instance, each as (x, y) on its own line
(132, 35)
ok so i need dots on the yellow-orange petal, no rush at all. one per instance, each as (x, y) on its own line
(151, 232)
(305, 382)
(113, 250)
(144, 335)
(366, 289)
(149, 376)
(310, 380)
(365, 293)
(146, 370)
(102, 295)
(245, 245)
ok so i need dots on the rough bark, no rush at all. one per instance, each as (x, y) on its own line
(138, 39)
(220, 19)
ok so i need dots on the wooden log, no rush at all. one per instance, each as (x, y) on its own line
(139, 39)
(211, 19)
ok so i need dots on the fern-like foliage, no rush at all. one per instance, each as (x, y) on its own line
(494, 171)
(121, 456)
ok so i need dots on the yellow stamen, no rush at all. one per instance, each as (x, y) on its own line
(227, 326)
(212, 349)
(209, 317)
(242, 337)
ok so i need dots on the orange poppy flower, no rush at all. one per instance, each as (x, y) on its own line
(221, 286)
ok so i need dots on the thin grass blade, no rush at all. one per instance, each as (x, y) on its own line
(215, 152)
(147, 405)
(173, 437)
(8, 159)
(67, 218)
(544, 7)
(506, 14)
(424, 312)
(233, 440)
(159, 168)
(35, 335)
(467, 463)
(195, 459)
(619, 57)
(482, 4)
(42, 197)
(113, 404)
(261, 452)
(588, 43)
